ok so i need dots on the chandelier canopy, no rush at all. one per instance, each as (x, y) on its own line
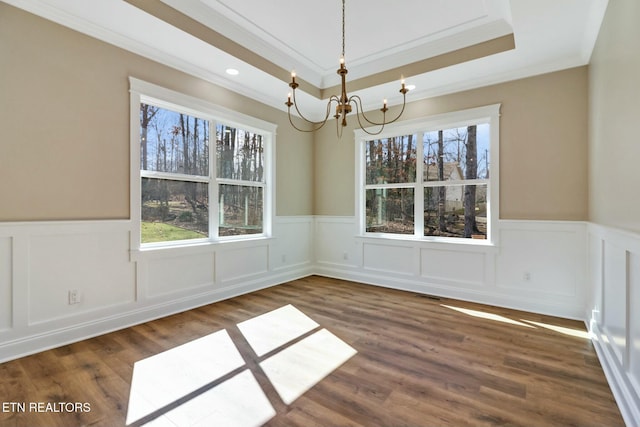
(344, 104)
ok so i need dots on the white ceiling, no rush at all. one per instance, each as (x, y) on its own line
(305, 35)
(380, 35)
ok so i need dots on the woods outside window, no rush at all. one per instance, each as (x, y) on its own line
(201, 175)
(433, 179)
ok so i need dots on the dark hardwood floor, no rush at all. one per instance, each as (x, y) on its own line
(420, 361)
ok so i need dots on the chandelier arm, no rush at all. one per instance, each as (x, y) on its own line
(364, 129)
(296, 127)
(320, 123)
(358, 102)
(404, 104)
(333, 98)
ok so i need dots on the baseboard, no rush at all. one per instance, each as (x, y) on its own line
(620, 386)
(542, 306)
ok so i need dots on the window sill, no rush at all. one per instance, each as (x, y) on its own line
(195, 247)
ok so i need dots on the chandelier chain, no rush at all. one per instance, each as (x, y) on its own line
(343, 27)
(345, 104)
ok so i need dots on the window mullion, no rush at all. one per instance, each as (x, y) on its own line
(213, 185)
(419, 192)
(383, 186)
(455, 182)
(174, 176)
(361, 180)
(240, 182)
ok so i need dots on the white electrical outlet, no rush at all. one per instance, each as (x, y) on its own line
(74, 297)
(526, 276)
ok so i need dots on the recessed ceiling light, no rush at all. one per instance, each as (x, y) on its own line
(411, 87)
(232, 71)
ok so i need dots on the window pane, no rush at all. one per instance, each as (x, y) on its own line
(391, 160)
(456, 154)
(456, 211)
(240, 210)
(174, 210)
(390, 210)
(240, 154)
(173, 142)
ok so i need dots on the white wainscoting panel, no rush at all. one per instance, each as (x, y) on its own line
(595, 253)
(95, 264)
(444, 267)
(334, 242)
(537, 266)
(293, 245)
(391, 258)
(538, 259)
(179, 274)
(6, 270)
(242, 262)
(40, 262)
(614, 312)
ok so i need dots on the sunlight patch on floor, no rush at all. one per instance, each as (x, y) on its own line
(203, 383)
(567, 331)
(275, 328)
(488, 316)
(299, 367)
(168, 376)
(522, 322)
(238, 401)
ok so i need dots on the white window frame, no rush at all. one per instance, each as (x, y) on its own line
(148, 93)
(487, 114)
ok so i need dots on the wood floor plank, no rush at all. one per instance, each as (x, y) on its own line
(311, 414)
(420, 361)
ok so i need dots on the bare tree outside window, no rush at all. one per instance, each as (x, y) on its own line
(176, 177)
(240, 170)
(390, 164)
(174, 165)
(453, 186)
(456, 167)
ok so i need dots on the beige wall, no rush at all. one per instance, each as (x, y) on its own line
(614, 114)
(64, 152)
(543, 148)
(64, 115)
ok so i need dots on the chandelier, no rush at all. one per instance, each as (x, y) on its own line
(344, 104)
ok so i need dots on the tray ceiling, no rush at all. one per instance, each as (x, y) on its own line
(441, 46)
